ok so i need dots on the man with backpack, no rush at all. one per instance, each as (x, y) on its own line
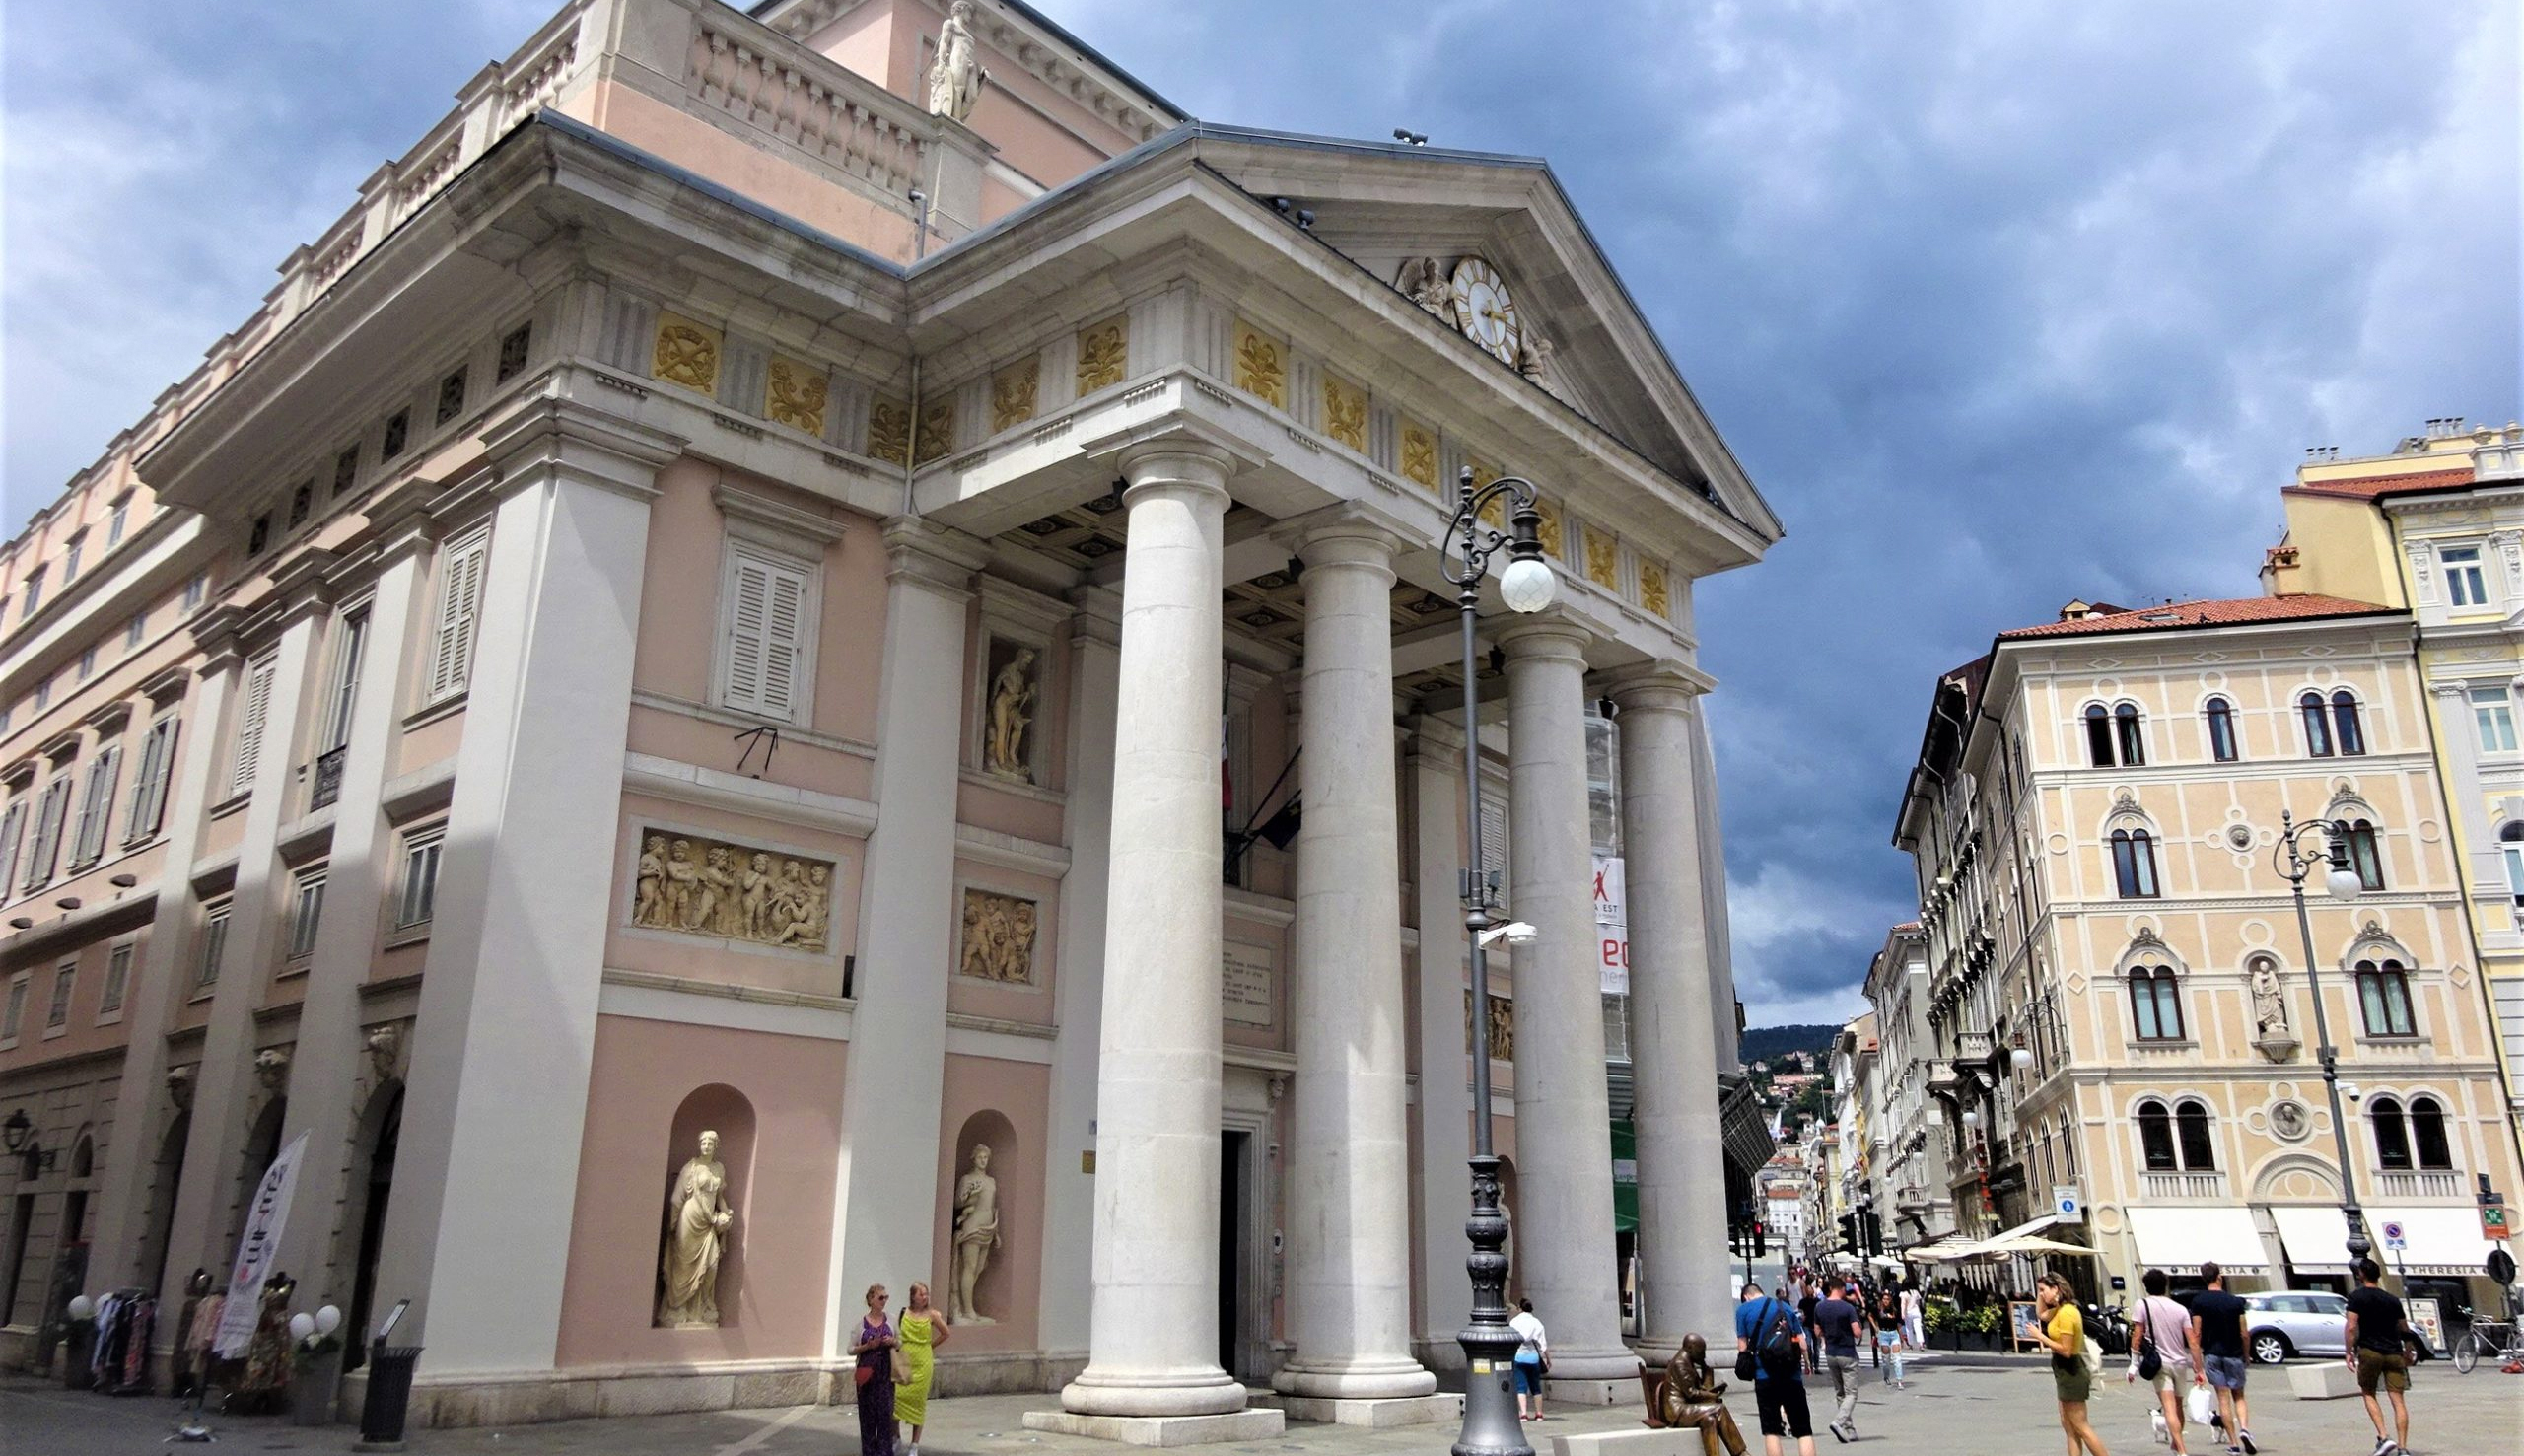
(1770, 1345)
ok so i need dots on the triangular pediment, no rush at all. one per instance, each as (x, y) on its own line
(1414, 216)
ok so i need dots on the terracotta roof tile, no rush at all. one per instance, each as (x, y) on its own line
(2226, 613)
(2375, 487)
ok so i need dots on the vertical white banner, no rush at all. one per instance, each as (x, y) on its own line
(264, 1220)
(1612, 924)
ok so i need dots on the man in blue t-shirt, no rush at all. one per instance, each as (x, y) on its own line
(1769, 1327)
(1836, 1321)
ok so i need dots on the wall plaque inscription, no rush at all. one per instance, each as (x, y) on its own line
(1245, 987)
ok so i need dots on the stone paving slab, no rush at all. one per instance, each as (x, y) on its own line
(1990, 1406)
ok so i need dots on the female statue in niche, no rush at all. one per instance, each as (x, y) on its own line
(1011, 712)
(697, 1220)
(956, 77)
(976, 1234)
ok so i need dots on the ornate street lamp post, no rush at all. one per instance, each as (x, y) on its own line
(2294, 865)
(1489, 1424)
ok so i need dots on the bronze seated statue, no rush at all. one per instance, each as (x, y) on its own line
(1689, 1396)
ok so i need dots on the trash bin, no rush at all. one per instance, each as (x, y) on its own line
(389, 1396)
(78, 1352)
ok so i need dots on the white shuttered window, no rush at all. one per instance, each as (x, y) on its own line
(11, 828)
(254, 712)
(767, 605)
(49, 813)
(460, 604)
(96, 807)
(149, 784)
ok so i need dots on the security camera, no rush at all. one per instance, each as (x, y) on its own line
(2353, 1092)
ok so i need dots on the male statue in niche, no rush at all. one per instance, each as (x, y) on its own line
(1011, 713)
(976, 1234)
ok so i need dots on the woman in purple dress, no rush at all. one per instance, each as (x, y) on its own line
(875, 1350)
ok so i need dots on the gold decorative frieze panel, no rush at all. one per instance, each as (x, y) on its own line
(935, 438)
(1502, 1027)
(1103, 355)
(889, 431)
(1013, 390)
(1261, 365)
(795, 394)
(1419, 455)
(1345, 412)
(1653, 595)
(717, 889)
(1494, 509)
(1603, 557)
(687, 353)
(998, 937)
(1551, 530)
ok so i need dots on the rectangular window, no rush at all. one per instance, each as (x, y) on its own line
(43, 694)
(115, 525)
(137, 629)
(148, 785)
(767, 615)
(86, 664)
(2514, 864)
(49, 813)
(254, 714)
(34, 594)
(345, 471)
(2465, 586)
(195, 589)
(214, 946)
(70, 557)
(117, 981)
(513, 348)
(65, 980)
(16, 1013)
(96, 808)
(13, 824)
(419, 898)
(459, 601)
(304, 914)
(2495, 711)
(349, 648)
(397, 431)
(451, 397)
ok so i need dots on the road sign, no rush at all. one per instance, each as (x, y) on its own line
(2067, 1205)
(2394, 1238)
(2493, 1224)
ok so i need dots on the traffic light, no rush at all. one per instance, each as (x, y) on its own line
(1848, 1232)
(1761, 1239)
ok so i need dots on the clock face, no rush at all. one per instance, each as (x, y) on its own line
(1484, 312)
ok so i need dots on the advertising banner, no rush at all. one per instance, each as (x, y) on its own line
(1612, 924)
(256, 1250)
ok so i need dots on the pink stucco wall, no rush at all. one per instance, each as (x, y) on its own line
(1002, 1103)
(771, 1291)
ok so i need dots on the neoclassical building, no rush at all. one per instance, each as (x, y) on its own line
(2119, 1007)
(765, 583)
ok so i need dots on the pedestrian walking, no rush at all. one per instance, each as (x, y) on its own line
(875, 1372)
(1770, 1339)
(2379, 1351)
(1915, 1318)
(922, 1330)
(2217, 1328)
(1835, 1323)
(2165, 1353)
(1811, 1296)
(1889, 1338)
(1533, 1359)
(2063, 1331)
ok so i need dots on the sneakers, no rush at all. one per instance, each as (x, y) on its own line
(2249, 1448)
(1838, 1435)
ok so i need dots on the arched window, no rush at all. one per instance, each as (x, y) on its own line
(2068, 1145)
(2383, 993)
(2155, 1138)
(2317, 724)
(2134, 863)
(2155, 1004)
(2427, 1134)
(2365, 856)
(2344, 717)
(2130, 728)
(2099, 737)
(2511, 840)
(2221, 730)
(2392, 1135)
(2191, 1132)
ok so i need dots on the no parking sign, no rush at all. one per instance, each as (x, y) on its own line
(2394, 1238)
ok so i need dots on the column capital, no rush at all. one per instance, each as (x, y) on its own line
(1434, 736)
(2451, 691)
(1176, 448)
(565, 440)
(1348, 533)
(1658, 687)
(1547, 636)
(934, 555)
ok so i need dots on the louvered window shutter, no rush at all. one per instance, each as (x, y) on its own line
(149, 786)
(11, 823)
(766, 626)
(459, 605)
(48, 817)
(252, 715)
(96, 808)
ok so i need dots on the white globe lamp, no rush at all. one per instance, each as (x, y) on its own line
(2021, 1057)
(1527, 585)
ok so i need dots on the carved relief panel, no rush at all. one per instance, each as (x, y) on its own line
(693, 884)
(998, 937)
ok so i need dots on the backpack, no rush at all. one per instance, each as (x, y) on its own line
(1776, 1345)
(2151, 1361)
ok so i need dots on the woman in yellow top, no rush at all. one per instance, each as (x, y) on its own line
(923, 1329)
(2064, 1332)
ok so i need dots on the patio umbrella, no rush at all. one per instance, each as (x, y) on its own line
(2003, 1248)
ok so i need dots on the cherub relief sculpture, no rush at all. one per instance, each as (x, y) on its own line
(731, 891)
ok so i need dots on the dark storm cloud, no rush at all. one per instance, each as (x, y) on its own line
(1999, 304)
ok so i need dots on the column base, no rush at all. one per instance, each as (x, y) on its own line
(1419, 1410)
(1160, 1430)
(1377, 1380)
(1152, 1394)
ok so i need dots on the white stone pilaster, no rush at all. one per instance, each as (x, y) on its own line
(1564, 1113)
(1153, 1348)
(893, 1090)
(477, 1233)
(1436, 766)
(1681, 1148)
(1348, 1199)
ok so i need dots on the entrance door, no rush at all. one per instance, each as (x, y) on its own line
(371, 1232)
(1232, 1195)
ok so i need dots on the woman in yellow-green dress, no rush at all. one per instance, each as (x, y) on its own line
(923, 1329)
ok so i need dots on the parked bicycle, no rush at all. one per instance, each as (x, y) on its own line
(2498, 1342)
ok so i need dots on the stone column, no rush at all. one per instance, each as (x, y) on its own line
(1681, 1148)
(1348, 1194)
(1564, 1109)
(1069, 1189)
(893, 1086)
(1436, 766)
(1153, 1351)
(486, 1175)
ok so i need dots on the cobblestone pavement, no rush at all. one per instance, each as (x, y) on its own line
(1957, 1405)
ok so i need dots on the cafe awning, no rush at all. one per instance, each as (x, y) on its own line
(2182, 1239)
(2442, 1240)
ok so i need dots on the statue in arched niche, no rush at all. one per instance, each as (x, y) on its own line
(976, 1235)
(696, 1238)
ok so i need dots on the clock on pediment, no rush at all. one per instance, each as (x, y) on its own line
(1485, 312)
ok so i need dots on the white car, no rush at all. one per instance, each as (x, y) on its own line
(2292, 1322)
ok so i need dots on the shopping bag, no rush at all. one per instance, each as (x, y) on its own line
(2201, 1404)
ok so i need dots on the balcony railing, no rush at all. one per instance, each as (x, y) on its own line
(2186, 1184)
(2420, 1185)
(328, 777)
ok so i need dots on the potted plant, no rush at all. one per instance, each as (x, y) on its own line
(315, 1365)
(1985, 1323)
